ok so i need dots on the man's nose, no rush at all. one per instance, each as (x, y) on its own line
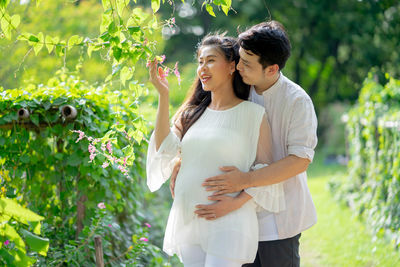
(239, 66)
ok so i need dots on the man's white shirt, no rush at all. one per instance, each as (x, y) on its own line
(293, 122)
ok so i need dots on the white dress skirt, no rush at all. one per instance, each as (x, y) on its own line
(218, 138)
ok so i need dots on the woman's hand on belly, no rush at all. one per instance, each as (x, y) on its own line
(222, 206)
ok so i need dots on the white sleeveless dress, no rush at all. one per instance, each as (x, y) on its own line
(218, 138)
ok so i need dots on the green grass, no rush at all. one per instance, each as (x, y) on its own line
(339, 238)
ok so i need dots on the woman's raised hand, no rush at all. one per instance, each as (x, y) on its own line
(158, 79)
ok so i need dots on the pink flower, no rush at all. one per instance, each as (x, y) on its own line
(176, 72)
(101, 205)
(144, 239)
(91, 149)
(105, 165)
(148, 225)
(92, 156)
(7, 242)
(81, 135)
(109, 147)
(162, 59)
(125, 161)
(173, 20)
(109, 225)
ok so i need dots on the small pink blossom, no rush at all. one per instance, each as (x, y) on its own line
(176, 72)
(109, 147)
(7, 242)
(81, 135)
(125, 161)
(92, 156)
(127, 136)
(91, 149)
(173, 20)
(101, 205)
(143, 239)
(105, 165)
(109, 225)
(162, 59)
(148, 225)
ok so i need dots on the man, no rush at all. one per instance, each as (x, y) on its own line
(264, 51)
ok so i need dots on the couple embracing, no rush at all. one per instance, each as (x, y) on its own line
(245, 137)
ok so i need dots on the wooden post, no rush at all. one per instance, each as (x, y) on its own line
(99, 251)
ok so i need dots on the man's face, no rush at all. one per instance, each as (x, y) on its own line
(250, 68)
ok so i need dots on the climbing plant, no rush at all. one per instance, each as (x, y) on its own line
(373, 185)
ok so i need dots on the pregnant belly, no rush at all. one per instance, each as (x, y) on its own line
(189, 185)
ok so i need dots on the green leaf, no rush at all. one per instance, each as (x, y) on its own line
(33, 39)
(5, 25)
(39, 45)
(121, 4)
(106, 4)
(23, 36)
(210, 10)
(36, 243)
(126, 74)
(117, 52)
(21, 214)
(74, 160)
(13, 236)
(21, 259)
(15, 20)
(155, 5)
(4, 3)
(35, 119)
(75, 39)
(25, 158)
(49, 43)
(106, 20)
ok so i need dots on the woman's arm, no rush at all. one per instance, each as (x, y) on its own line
(159, 81)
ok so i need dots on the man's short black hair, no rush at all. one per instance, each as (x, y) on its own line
(269, 41)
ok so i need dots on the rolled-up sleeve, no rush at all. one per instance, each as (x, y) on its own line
(159, 164)
(270, 197)
(302, 135)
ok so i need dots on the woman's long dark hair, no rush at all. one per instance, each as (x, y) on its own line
(198, 99)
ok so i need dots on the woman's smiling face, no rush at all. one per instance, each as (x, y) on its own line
(213, 70)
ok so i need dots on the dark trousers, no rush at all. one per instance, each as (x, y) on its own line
(277, 253)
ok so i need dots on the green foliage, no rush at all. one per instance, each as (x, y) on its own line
(14, 219)
(50, 170)
(373, 185)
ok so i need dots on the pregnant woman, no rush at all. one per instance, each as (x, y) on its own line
(215, 127)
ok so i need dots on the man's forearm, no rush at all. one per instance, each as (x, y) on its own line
(243, 197)
(277, 172)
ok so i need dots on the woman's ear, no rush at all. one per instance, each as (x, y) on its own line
(232, 67)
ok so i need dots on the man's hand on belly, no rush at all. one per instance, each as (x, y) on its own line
(233, 180)
(223, 206)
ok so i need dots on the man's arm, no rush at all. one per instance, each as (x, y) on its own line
(235, 180)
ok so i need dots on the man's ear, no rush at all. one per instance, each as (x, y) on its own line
(272, 70)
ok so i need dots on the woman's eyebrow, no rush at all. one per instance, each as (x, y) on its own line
(208, 56)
